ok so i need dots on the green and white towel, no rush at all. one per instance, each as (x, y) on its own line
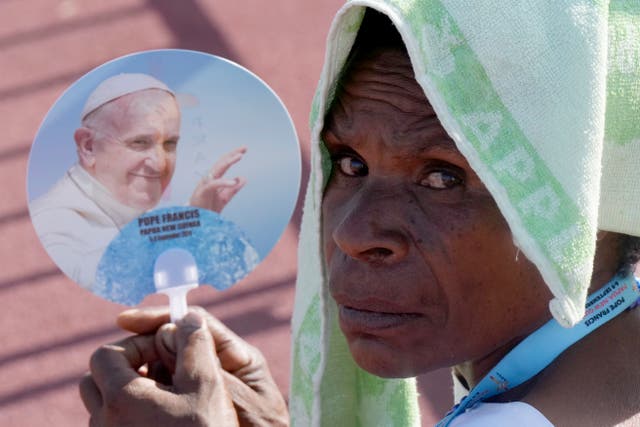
(523, 88)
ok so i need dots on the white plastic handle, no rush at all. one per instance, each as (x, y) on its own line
(175, 273)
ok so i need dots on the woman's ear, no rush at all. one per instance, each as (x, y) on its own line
(85, 146)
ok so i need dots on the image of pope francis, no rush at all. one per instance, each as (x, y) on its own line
(126, 145)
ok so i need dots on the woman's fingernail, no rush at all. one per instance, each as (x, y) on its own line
(169, 341)
(192, 319)
(168, 337)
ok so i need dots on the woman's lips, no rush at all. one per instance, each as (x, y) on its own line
(360, 320)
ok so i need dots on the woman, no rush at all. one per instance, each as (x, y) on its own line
(436, 169)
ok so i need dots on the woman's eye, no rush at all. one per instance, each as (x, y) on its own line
(441, 180)
(352, 166)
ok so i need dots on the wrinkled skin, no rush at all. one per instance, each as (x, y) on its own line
(420, 260)
(193, 374)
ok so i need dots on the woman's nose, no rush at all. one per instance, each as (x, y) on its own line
(370, 228)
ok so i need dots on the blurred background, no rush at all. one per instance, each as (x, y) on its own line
(49, 325)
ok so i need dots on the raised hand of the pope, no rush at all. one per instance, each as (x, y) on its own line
(116, 393)
(214, 191)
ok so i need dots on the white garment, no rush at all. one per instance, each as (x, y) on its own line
(517, 414)
(76, 220)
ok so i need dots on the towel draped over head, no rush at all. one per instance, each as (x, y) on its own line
(543, 99)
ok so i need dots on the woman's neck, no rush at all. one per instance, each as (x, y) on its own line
(606, 265)
(594, 382)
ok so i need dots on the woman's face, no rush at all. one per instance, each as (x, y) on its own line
(420, 261)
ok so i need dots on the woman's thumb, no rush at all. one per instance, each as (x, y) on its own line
(196, 360)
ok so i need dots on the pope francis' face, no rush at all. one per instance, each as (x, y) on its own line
(129, 146)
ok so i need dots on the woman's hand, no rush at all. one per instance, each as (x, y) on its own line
(116, 394)
(212, 378)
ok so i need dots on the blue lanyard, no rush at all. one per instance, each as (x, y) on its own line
(539, 349)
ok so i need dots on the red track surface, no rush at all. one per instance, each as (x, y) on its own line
(49, 325)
